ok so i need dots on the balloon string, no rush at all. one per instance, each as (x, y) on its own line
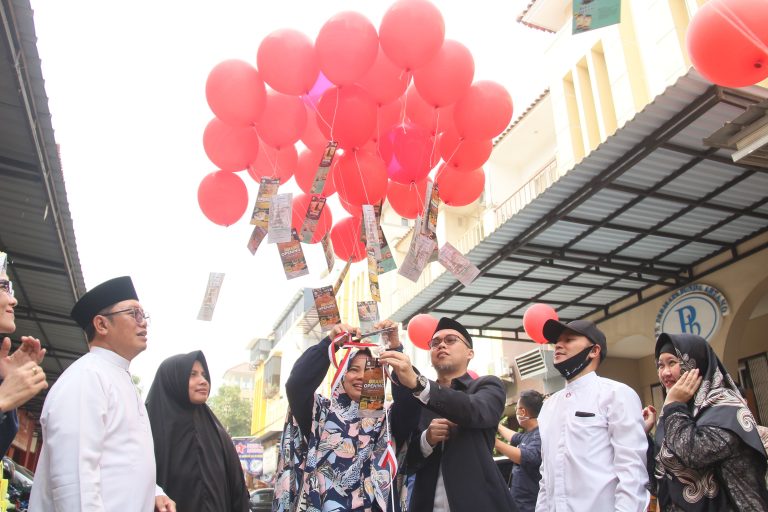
(271, 163)
(335, 110)
(360, 172)
(318, 116)
(434, 142)
(404, 108)
(739, 25)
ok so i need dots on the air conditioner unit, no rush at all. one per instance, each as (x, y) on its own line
(537, 365)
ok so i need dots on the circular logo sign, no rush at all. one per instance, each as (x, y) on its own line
(694, 309)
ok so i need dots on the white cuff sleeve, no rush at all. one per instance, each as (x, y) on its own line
(426, 449)
(424, 395)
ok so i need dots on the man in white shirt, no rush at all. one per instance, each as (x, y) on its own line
(97, 450)
(593, 446)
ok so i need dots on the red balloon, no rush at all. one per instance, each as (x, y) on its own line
(727, 41)
(462, 154)
(299, 211)
(347, 115)
(346, 47)
(283, 121)
(473, 374)
(354, 210)
(421, 328)
(306, 168)
(387, 116)
(287, 61)
(384, 81)
(235, 92)
(411, 33)
(435, 120)
(447, 77)
(274, 163)
(222, 197)
(459, 188)
(534, 319)
(484, 112)
(409, 153)
(345, 237)
(312, 137)
(360, 178)
(407, 199)
(230, 148)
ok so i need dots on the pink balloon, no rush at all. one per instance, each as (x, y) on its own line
(312, 137)
(447, 77)
(345, 237)
(274, 163)
(287, 61)
(484, 112)
(534, 319)
(322, 84)
(283, 121)
(435, 120)
(421, 328)
(346, 47)
(306, 168)
(409, 153)
(459, 188)
(411, 33)
(360, 178)
(222, 197)
(235, 92)
(384, 81)
(462, 154)
(347, 115)
(230, 148)
(407, 199)
(299, 210)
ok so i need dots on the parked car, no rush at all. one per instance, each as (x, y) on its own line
(19, 484)
(261, 499)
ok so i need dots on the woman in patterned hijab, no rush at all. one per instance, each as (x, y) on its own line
(709, 455)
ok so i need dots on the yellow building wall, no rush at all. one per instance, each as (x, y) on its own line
(259, 409)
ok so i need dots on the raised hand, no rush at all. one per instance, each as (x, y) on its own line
(685, 387)
(439, 430)
(649, 418)
(29, 350)
(20, 385)
(392, 337)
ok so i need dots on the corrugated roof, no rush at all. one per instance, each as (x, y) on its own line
(35, 223)
(639, 212)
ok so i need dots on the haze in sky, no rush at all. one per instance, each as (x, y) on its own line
(126, 88)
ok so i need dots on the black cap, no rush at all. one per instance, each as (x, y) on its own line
(450, 323)
(553, 329)
(102, 296)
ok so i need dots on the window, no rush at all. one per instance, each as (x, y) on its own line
(272, 377)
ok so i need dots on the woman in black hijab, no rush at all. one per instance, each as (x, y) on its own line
(709, 455)
(197, 465)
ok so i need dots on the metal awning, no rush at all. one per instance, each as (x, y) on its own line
(35, 224)
(627, 224)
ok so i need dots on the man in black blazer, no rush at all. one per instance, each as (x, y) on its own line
(451, 453)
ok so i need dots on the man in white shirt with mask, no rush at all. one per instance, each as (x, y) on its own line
(593, 446)
(97, 450)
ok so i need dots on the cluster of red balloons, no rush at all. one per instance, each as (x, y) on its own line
(401, 102)
(727, 42)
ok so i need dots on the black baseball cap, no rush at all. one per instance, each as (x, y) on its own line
(553, 329)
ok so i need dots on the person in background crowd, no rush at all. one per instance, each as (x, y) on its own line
(97, 449)
(197, 464)
(593, 448)
(708, 452)
(20, 372)
(524, 449)
(451, 451)
(331, 459)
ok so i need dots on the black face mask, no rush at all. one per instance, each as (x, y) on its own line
(574, 364)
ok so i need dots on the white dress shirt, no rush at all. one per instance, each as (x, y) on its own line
(441, 498)
(97, 450)
(593, 448)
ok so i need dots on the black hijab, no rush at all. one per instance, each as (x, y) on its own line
(197, 465)
(717, 403)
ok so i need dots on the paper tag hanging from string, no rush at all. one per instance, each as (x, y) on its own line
(215, 280)
(257, 236)
(318, 183)
(458, 264)
(292, 256)
(372, 394)
(420, 250)
(340, 280)
(327, 309)
(267, 189)
(386, 261)
(368, 314)
(330, 259)
(431, 206)
(371, 228)
(373, 276)
(314, 209)
(280, 218)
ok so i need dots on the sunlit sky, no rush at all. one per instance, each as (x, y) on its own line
(126, 88)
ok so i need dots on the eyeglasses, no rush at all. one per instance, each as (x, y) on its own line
(7, 286)
(448, 339)
(138, 314)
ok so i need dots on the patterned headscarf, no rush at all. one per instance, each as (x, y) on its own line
(718, 403)
(339, 463)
